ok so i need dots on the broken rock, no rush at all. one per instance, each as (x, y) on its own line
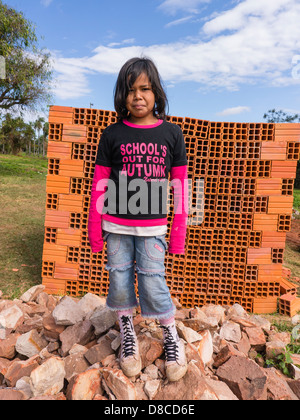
(48, 378)
(11, 318)
(244, 377)
(80, 333)
(103, 319)
(85, 386)
(30, 344)
(121, 387)
(32, 293)
(230, 331)
(192, 386)
(67, 312)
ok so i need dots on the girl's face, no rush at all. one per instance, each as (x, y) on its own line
(141, 102)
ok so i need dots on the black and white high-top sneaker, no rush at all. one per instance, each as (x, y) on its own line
(176, 362)
(130, 360)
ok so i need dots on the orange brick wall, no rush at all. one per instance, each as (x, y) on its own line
(234, 250)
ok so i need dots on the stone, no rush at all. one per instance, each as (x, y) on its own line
(67, 312)
(121, 387)
(225, 354)
(244, 345)
(277, 387)
(90, 302)
(4, 365)
(57, 397)
(30, 344)
(152, 387)
(151, 371)
(103, 319)
(237, 310)
(100, 351)
(294, 371)
(295, 387)
(296, 319)
(8, 346)
(285, 337)
(296, 359)
(215, 311)
(192, 355)
(80, 333)
(32, 293)
(222, 391)
(19, 369)
(11, 394)
(261, 322)
(51, 329)
(48, 379)
(23, 385)
(205, 347)
(75, 364)
(256, 337)
(192, 386)
(244, 377)
(188, 334)
(274, 349)
(85, 386)
(11, 318)
(199, 321)
(150, 349)
(231, 331)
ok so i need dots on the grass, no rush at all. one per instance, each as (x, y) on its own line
(23, 195)
(296, 204)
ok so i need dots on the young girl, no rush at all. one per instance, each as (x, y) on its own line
(134, 161)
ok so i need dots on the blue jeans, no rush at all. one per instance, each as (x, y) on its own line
(147, 255)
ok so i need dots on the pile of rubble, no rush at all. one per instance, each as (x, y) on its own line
(67, 349)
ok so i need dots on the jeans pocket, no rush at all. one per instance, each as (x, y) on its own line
(155, 248)
(113, 243)
(162, 238)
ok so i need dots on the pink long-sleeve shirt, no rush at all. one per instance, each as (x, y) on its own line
(178, 178)
(129, 154)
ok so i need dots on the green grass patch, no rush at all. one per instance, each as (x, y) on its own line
(297, 200)
(23, 197)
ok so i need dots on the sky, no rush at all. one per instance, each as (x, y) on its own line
(220, 60)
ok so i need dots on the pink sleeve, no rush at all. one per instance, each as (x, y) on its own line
(179, 183)
(100, 181)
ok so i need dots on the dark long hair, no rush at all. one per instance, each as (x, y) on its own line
(129, 73)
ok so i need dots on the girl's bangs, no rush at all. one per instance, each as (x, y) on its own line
(134, 72)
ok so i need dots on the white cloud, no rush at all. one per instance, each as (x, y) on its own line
(234, 111)
(46, 3)
(71, 81)
(171, 7)
(179, 21)
(245, 13)
(124, 42)
(252, 43)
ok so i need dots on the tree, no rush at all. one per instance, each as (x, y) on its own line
(28, 68)
(15, 134)
(38, 125)
(273, 116)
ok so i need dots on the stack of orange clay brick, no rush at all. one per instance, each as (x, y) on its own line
(234, 251)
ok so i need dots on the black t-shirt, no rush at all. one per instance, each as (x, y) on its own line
(141, 160)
